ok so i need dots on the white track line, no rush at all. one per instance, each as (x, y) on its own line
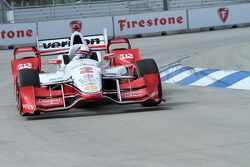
(242, 84)
(166, 72)
(211, 78)
(184, 75)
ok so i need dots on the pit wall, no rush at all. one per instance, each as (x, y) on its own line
(129, 25)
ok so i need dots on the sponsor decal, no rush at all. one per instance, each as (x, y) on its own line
(155, 93)
(88, 75)
(92, 41)
(45, 102)
(55, 79)
(60, 43)
(223, 14)
(126, 56)
(16, 34)
(85, 81)
(91, 87)
(130, 24)
(134, 93)
(88, 78)
(86, 70)
(24, 66)
(76, 26)
(28, 107)
(65, 43)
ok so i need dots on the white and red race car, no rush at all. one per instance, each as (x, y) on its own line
(125, 78)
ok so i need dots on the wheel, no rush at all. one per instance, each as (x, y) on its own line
(18, 101)
(148, 66)
(26, 77)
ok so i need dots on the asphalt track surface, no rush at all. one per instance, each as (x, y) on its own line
(197, 126)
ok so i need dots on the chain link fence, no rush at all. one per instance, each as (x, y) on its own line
(5, 10)
(43, 10)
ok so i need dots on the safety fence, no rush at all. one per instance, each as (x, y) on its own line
(192, 4)
(127, 25)
(19, 11)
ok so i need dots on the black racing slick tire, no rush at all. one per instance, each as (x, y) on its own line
(28, 77)
(149, 66)
(18, 100)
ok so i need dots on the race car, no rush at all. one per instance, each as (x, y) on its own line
(119, 76)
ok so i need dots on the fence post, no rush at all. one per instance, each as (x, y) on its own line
(165, 4)
(2, 9)
(129, 6)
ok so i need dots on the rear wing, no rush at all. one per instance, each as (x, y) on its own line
(61, 45)
(118, 41)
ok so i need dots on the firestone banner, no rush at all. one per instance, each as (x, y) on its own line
(150, 22)
(219, 16)
(15, 34)
(64, 28)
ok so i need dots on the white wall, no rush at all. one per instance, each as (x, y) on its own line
(210, 17)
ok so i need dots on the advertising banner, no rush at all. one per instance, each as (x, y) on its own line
(14, 34)
(150, 22)
(219, 16)
(64, 28)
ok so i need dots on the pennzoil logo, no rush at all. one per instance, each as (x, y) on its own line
(24, 66)
(28, 107)
(223, 14)
(126, 56)
(76, 26)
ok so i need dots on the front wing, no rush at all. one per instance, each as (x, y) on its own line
(64, 96)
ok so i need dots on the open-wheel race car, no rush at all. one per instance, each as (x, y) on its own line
(119, 76)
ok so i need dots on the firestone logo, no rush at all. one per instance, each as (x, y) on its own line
(131, 24)
(11, 34)
(223, 14)
(76, 26)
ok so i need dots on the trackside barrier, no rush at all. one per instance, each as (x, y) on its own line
(219, 16)
(63, 28)
(150, 23)
(17, 34)
(126, 25)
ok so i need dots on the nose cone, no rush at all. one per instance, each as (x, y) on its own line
(87, 79)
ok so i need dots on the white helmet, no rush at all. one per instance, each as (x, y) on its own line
(83, 52)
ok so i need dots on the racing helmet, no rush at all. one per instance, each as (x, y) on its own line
(83, 52)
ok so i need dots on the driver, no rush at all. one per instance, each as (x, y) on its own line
(81, 52)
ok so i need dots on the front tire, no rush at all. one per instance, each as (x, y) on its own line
(26, 77)
(149, 66)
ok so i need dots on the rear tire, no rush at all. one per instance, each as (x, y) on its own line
(148, 66)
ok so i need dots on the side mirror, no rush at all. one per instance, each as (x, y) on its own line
(109, 56)
(54, 61)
